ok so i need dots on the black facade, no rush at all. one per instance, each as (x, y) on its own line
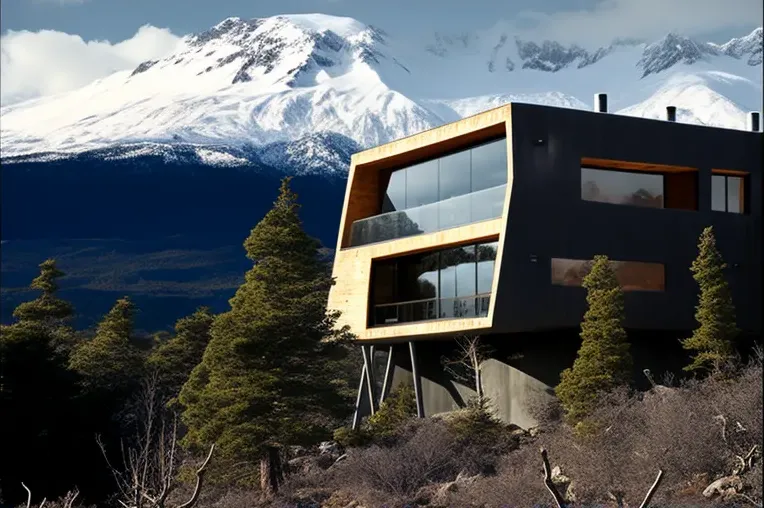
(549, 219)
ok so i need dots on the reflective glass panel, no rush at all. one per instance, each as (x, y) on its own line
(489, 165)
(718, 193)
(734, 194)
(395, 197)
(622, 188)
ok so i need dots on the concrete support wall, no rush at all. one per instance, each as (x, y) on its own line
(523, 370)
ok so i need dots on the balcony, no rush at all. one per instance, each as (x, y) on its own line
(457, 211)
(431, 309)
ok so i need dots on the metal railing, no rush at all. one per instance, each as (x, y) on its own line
(431, 309)
(477, 206)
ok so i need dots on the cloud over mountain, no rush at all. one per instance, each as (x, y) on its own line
(47, 62)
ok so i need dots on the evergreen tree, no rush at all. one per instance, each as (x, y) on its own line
(176, 358)
(47, 310)
(36, 390)
(712, 341)
(603, 361)
(265, 380)
(110, 362)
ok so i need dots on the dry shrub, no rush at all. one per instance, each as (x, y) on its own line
(424, 454)
(674, 429)
(70, 500)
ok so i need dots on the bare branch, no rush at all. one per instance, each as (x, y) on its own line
(29, 495)
(749, 499)
(651, 492)
(199, 479)
(471, 353)
(44, 500)
(548, 481)
(724, 426)
(70, 497)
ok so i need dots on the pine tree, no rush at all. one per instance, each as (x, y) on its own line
(712, 341)
(176, 358)
(603, 361)
(264, 381)
(110, 362)
(47, 310)
(36, 388)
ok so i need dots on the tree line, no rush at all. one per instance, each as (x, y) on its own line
(273, 371)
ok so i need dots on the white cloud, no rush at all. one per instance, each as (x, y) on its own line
(644, 19)
(47, 62)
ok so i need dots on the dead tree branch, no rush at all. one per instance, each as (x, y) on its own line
(29, 495)
(560, 501)
(466, 363)
(551, 487)
(70, 498)
(651, 492)
(749, 499)
(199, 479)
(150, 462)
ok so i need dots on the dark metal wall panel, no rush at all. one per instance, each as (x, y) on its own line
(547, 218)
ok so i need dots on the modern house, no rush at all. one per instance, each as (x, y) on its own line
(486, 226)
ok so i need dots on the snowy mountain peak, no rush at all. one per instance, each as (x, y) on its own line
(671, 50)
(304, 91)
(750, 46)
(290, 50)
(553, 56)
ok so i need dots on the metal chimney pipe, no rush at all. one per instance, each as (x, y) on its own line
(671, 113)
(600, 102)
(754, 121)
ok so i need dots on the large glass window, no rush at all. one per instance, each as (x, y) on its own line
(622, 188)
(486, 261)
(631, 275)
(451, 283)
(395, 197)
(457, 189)
(489, 165)
(727, 193)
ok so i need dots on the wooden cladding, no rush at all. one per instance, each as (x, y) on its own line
(370, 170)
(634, 166)
(729, 172)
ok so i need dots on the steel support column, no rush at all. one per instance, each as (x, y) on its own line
(417, 381)
(368, 362)
(389, 371)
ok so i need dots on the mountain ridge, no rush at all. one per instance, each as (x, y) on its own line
(249, 87)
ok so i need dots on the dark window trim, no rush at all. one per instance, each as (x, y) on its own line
(744, 196)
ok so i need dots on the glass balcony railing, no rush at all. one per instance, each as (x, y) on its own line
(430, 309)
(449, 213)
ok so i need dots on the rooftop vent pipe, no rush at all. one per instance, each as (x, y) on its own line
(600, 102)
(671, 113)
(754, 121)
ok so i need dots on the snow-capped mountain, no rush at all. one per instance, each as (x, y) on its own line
(305, 91)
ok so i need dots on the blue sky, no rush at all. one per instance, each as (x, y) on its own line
(116, 20)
